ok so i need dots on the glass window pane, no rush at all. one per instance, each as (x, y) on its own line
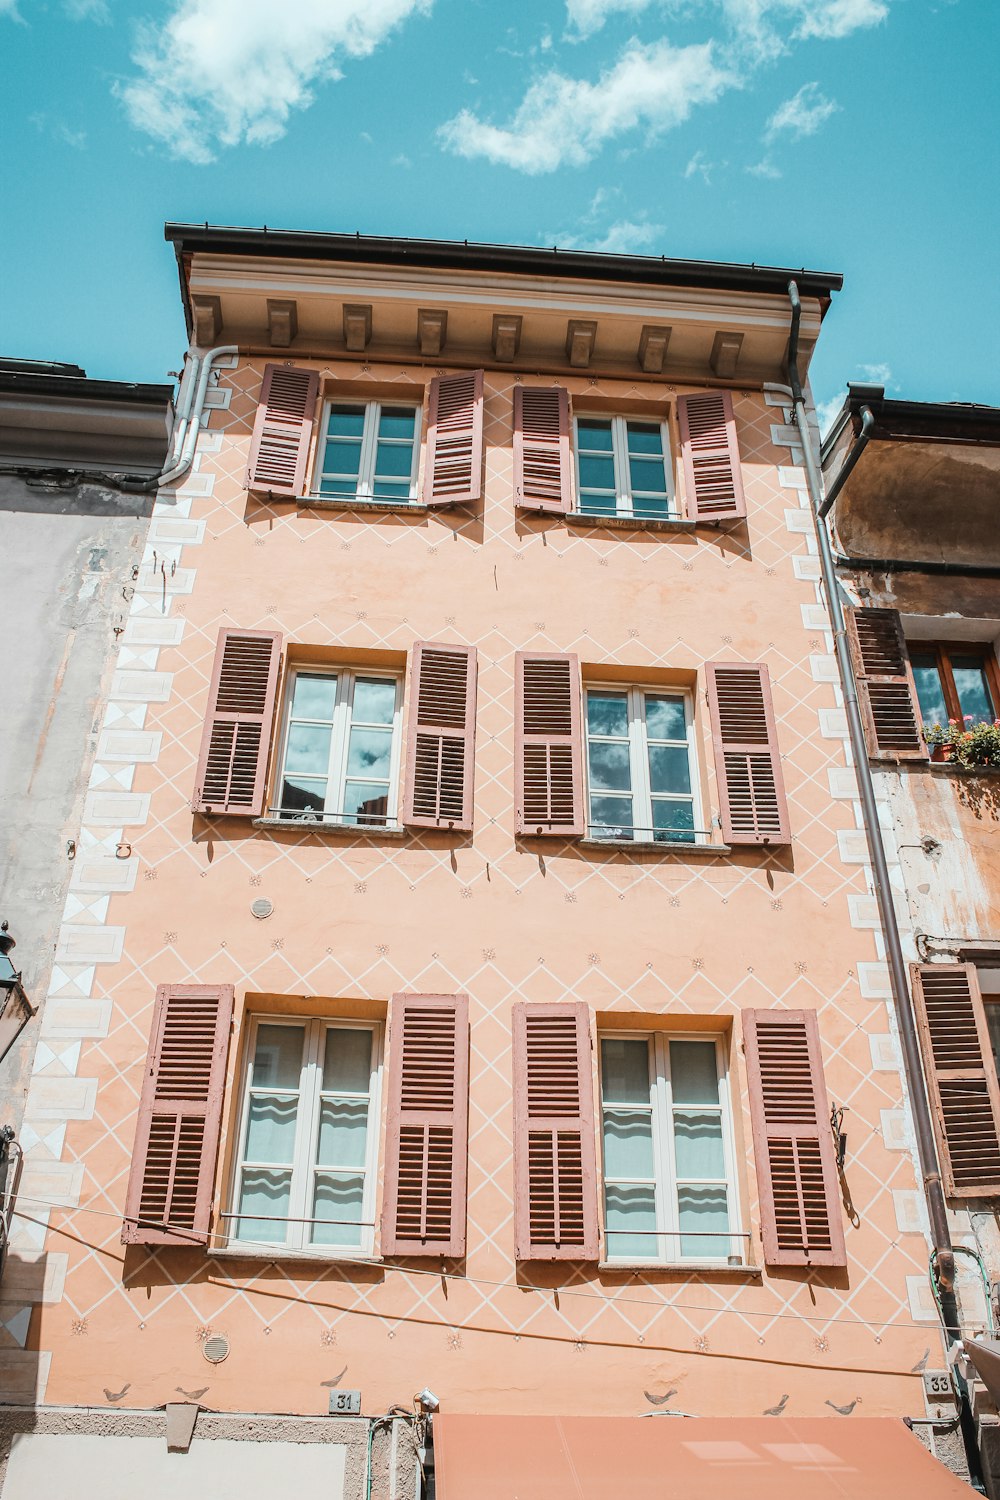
(609, 766)
(698, 1143)
(388, 489)
(652, 507)
(597, 473)
(338, 487)
(993, 1023)
(308, 749)
(930, 694)
(267, 1193)
(646, 475)
(364, 803)
(673, 821)
(346, 421)
(611, 817)
(624, 1071)
(630, 1208)
(342, 458)
(343, 1133)
(704, 1209)
(393, 459)
(313, 697)
(607, 713)
(277, 1060)
(369, 752)
(338, 1197)
(300, 795)
(597, 505)
(592, 434)
(347, 1060)
(374, 700)
(694, 1075)
(665, 718)
(972, 688)
(271, 1129)
(396, 422)
(628, 1144)
(645, 437)
(669, 769)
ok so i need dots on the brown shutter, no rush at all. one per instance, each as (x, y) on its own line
(169, 1198)
(427, 1126)
(279, 449)
(548, 746)
(555, 1159)
(441, 737)
(542, 468)
(713, 479)
(747, 760)
(232, 765)
(886, 693)
(961, 1077)
(454, 470)
(793, 1141)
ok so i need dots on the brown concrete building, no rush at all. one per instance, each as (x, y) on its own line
(481, 1012)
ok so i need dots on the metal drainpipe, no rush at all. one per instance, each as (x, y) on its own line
(926, 1147)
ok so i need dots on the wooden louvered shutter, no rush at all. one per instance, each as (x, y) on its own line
(961, 1077)
(427, 1126)
(548, 747)
(441, 737)
(886, 693)
(555, 1158)
(169, 1197)
(712, 477)
(793, 1140)
(454, 470)
(542, 466)
(747, 760)
(232, 765)
(279, 449)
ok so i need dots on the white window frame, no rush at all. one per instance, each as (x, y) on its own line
(299, 1228)
(624, 504)
(343, 720)
(642, 797)
(666, 1241)
(365, 492)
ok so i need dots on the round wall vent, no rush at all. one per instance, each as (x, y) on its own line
(215, 1348)
(261, 908)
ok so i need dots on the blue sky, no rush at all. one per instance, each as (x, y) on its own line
(850, 135)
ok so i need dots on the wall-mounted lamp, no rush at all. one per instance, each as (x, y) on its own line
(426, 1400)
(15, 1008)
(839, 1135)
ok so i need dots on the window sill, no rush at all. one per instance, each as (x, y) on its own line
(380, 507)
(295, 825)
(655, 846)
(631, 523)
(281, 1252)
(682, 1268)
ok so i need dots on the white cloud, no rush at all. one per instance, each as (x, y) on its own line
(629, 238)
(700, 166)
(564, 120)
(826, 411)
(88, 10)
(229, 72)
(9, 8)
(802, 114)
(765, 168)
(755, 23)
(880, 374)
(588, 16)
(833, 19)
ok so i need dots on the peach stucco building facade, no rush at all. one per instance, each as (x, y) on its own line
(324, 921)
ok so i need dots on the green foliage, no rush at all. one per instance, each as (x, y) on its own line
(973, 745)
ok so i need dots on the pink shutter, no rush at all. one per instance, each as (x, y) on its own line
(169, 1197)
(232, 764)
(453, 473)
(961, 1077)
(555, 1158)
(542, 462)
(441, 737)
(282, 430)
(548, 745)
(800, 1214)
(712, 476)
(427, 1126)
(747, 759)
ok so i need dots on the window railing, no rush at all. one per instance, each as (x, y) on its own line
(734, 1252)
(297, 817)
(632, 833)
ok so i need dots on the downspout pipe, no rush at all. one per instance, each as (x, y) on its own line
(926, 1148)
(860, 444)
(189, 413)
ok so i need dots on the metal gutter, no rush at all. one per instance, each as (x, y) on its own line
(916, 421)
(904, 565)
(30, 383)
(860, 444)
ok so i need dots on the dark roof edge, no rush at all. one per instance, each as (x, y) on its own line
(79, 388)
(524, 259)
(927, 421)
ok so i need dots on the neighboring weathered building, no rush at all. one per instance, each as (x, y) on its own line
(480, 952)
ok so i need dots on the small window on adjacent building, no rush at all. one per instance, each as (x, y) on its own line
(340, 753)
(369, 451)
(668, 1153)
(624, 468)
(640, 766)
(955, 681)
(305, 1173)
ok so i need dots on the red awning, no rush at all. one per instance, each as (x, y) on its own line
(697, 1458)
